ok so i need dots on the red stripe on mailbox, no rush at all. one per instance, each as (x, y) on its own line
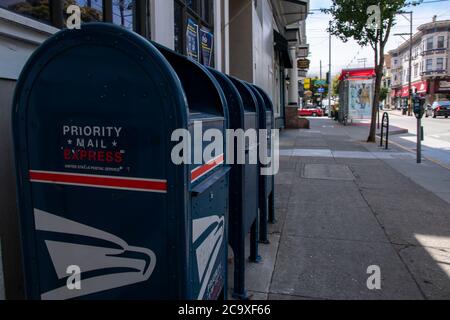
(204, 169)
(97, 181)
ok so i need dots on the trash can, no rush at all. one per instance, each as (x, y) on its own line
(106, 211)
(270, 179)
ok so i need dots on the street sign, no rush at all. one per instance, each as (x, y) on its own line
(303, 64)
(320, 82)
(321, 90)
(307, 83)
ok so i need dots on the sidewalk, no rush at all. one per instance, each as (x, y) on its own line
(344, 205)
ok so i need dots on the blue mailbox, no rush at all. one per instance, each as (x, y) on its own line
(105, 211)
(270, 179)
(263, 185)
(243, 181)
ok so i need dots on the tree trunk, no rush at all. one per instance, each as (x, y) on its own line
(379, 64)
(376, 102)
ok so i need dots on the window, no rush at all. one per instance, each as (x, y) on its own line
(130, 14)
(440, 64)
(441, 42)
(429, 65)
(178, 27)
(91, 10)
(194, 29)
(123, 13)
(430, 43)
(416, 70)
(39, 10)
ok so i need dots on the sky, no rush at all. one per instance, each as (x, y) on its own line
(346, 55)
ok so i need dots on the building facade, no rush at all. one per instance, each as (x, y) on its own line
(256, 40)
(430, 74)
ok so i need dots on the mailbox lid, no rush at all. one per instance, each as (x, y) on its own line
(113, 210)
(208, 110)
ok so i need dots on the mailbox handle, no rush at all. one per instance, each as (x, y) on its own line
(205, 185)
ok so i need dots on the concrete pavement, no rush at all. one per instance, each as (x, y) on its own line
(344, 205)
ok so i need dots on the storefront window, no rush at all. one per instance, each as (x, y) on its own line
(39, 9)
(194, 30)
(91, 10)
(178, 27)
(123, 13)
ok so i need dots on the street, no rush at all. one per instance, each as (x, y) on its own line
(436, 144)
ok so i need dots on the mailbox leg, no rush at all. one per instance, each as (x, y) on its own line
(272, 207)
(254, 248)
(263, 214)
(239, 291)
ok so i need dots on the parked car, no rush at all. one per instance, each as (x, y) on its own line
(310, 111)
(441, 108)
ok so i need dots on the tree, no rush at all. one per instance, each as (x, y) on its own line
(335, 84)
(383, 93)
(368, 22)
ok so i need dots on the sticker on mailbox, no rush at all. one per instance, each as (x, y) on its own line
(94, 147)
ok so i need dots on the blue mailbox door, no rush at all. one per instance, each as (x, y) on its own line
(105, 213)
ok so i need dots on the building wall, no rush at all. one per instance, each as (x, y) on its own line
(163, 22)
(241, 43)
(263, 46)
(19, 37)
(9, 223)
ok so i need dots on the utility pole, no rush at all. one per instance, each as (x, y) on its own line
(410, 61)
(410, 55)
(320, 70)
(363, 60)
(330, 81)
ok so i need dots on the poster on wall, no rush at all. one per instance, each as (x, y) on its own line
(360, 99)
(207, 43)
(192, 42)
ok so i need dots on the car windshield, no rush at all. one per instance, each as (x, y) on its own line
(444, 103)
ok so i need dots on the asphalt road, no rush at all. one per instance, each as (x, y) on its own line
(436, 144)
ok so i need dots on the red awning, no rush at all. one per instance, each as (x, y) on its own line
(405, 92)
(419, 87)
(357, 73)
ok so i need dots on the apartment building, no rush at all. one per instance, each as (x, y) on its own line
(430, 74)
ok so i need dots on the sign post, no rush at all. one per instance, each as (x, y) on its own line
(418, 103)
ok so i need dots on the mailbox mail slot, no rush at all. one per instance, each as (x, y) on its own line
(99, 194)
